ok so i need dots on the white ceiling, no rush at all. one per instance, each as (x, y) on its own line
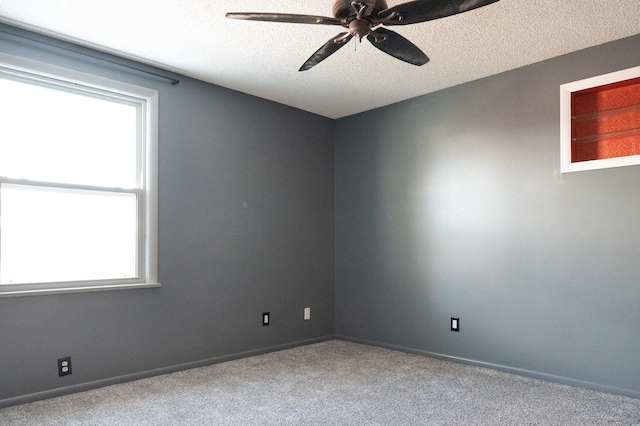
(194, 38)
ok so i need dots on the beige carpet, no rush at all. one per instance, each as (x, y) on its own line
(332, 383)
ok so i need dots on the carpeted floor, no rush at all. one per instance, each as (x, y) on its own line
(332, 383)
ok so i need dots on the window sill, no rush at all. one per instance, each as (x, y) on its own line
(16, 292)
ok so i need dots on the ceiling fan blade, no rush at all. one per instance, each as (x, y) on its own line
(397, 46)
(284, 17)
(421, 10)
(328, 49)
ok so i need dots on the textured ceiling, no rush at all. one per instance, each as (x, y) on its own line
(194, 38)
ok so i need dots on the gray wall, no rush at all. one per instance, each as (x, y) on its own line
(246, 225)
(452, 205)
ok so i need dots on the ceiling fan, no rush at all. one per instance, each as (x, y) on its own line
(365, 18)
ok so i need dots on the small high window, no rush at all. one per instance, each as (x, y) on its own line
(78, 194)
(600, 122)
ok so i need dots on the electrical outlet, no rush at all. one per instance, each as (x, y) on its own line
(307, 313)
(64, 366)
(265, 318)
(455, 324)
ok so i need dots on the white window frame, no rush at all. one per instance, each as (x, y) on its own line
(566, 166)
(148, 201)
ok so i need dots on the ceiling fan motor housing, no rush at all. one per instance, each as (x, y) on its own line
(359, 28)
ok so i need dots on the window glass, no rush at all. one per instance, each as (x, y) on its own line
(59, 136)
(55, 235)
(600, 122)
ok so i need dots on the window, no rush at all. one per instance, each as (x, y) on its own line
(600, 121)
(78, 181)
